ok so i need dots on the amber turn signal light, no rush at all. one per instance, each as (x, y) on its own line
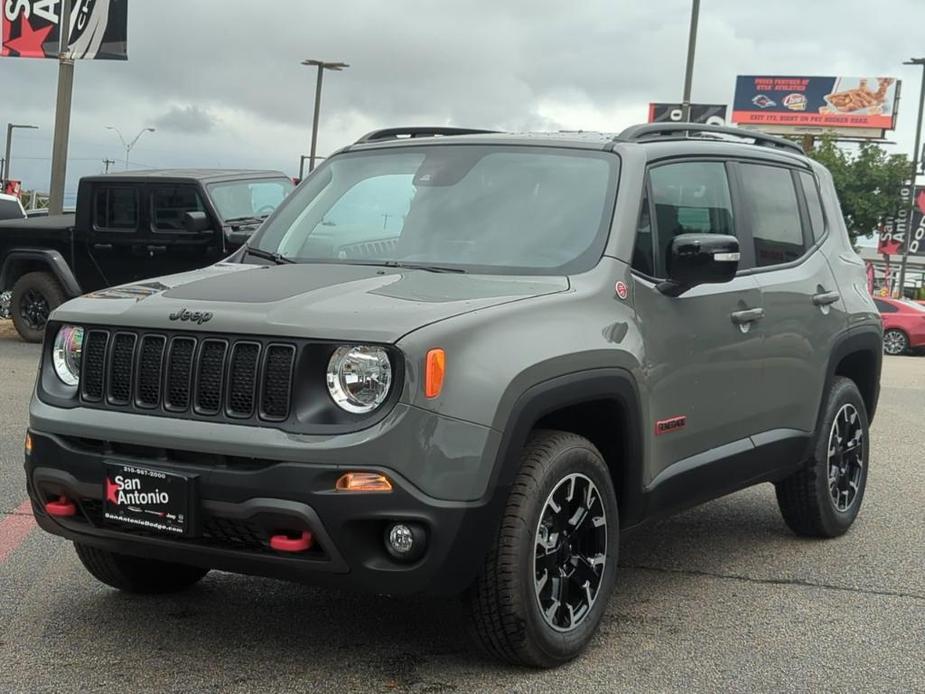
(434, 368)
(363, 482)
(28, 444)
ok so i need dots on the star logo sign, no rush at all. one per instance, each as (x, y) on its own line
(112, 492)
(29, 42)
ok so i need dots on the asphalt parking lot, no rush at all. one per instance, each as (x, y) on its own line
(722, 597)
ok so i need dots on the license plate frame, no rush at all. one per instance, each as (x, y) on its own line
(148, 498)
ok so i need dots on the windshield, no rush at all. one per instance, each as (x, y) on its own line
(242, 199)
(533, 210)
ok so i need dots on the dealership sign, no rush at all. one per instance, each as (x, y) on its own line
(30, 29)
(859, 104)
(893, 232)
(710, 114)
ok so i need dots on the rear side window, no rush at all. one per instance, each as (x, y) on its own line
(776, 225)
(116, 208)
(169, 204)
(813, 204)
(884, 307)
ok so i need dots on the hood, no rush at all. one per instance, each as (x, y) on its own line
(338, 302)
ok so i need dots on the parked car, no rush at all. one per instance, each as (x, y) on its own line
(11, 207)
(903, 324)
(466, 364)
(127, 227)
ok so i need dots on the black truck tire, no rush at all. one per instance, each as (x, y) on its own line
(35, 296)
(823, 499)
(539, 558)
(135, 574)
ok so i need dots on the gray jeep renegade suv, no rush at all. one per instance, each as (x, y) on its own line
(464, 362)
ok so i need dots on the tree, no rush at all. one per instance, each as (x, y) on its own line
(868, 182)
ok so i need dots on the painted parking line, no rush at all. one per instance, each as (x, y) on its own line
(14, 528)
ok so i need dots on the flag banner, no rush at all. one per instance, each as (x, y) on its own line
(30, 29)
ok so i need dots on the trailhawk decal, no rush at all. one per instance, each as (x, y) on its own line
(667, 426)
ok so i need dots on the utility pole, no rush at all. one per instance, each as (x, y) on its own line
(322, 66)
(107, 163)
(689, 70)
(910, 213)
(62, 112)
(10, 127)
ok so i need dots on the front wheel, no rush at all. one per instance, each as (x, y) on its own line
(895, 342)
(547, 578)
(35, 296)
(823, 499)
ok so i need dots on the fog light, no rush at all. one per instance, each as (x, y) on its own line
(405, 541)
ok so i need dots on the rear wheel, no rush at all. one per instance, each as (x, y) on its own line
(546, 580)
(135, 574)
(895, 342)
(823, 499)
(35, 296)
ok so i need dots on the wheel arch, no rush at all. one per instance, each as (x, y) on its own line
(858, 356)
(19, 262)
(603, 405)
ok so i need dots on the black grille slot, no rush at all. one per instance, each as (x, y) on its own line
(94, 363)
(179, 373)
(120, 368)
(150, 366)
(277, 381)
(210, 376)
(242, 379)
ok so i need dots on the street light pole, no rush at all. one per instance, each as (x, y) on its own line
(322, 66)
(689, 70)
(129, 145)
(62, 113)
(907, 237)
(9, 144)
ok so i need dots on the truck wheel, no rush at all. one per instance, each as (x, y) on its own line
(823, 499)
(35, 296)
(550, 571)
(137, 575)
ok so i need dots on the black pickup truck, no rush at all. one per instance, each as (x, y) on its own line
(128, 227)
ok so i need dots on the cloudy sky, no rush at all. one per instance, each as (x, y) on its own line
(221, 82)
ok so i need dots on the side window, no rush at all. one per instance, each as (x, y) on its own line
(170, 203)
(884, 307)
(689, 197)
(644, 249)
(814, 204)
(116, 208)
(776, 225)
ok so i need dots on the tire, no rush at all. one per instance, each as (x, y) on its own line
(807, 498)
(137, 575)
(895, 342)
(504, 604)
(35, 296)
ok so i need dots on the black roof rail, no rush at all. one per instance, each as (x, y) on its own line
(651, 131)
(418, 131)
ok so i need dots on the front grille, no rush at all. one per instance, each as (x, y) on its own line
(209, 377)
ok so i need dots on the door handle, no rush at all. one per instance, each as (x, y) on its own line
(102, 246)
(825, 298)
(749, 315)
(157, 250)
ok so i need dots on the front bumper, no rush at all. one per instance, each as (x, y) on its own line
(244, 500)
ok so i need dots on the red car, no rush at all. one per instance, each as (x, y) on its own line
(903, 324)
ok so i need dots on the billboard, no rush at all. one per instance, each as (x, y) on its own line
(894, 230)
(99, 29)
(858, 106)
(710, 114)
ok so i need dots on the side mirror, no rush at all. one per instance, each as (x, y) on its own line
(196, 222)
(695, 259)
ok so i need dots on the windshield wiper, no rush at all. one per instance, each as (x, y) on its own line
(277, 258)
(407, 266)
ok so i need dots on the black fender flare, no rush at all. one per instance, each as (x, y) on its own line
(567, 390)
(53, 260)
(868, 340)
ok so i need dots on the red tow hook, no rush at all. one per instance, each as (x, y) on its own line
(285, 543)
(62, 507)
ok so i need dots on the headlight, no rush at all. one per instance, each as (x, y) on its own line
(66, 353)
(359, 378)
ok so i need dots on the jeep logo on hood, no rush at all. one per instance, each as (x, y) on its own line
(198, 317)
